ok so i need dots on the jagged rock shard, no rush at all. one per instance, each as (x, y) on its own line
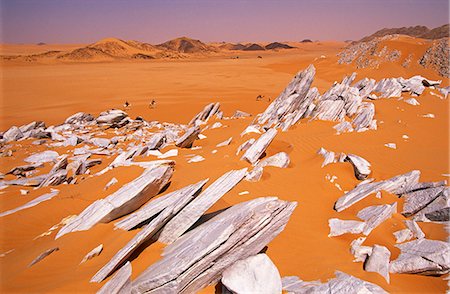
(281, 160)
(415, 229)
(199, 257)
(422, 256)
(32, 203)
(111, 116)
(359, 251)
(339, 227)
(293, 284)
(239, 114)
(159, 204)
(93, 253)
(375, 215)
(79, 118)
(119, 283)
(328, 156)
(206, 113)
(244, 146)
(403, 235)
(255, 274)
(418, 200)
(397, 185)
(342, 284)
(254, 152)
(20, 170)
(194, 210)
(43, 255)
(42, 157)
(364, 118)
(125, 200)
(225, 143)
(360, 166)
(188, 138)
(378, 261)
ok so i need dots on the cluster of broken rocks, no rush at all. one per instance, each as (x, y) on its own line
(227, 247)
(370, 54)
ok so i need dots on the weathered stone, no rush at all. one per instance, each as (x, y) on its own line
(412, 101)
(93, 253)
(100, 142)
(359, 251)
(156, 141)
(43, 255)
(375, 215)
(194, 210)
(119, 283)
(339, 227)
(403, 235)
(125, 200)
(378, 261)
(255, 274)
(343, 127)
(204, 115)
(328, 156)
(111, 117)
(415, 229)
(188, 138)
(21, 170)
(225, 143)
(199, 257)
(361, 166)
(418, 200)
(244, 146)
(293, 284)
(196, 158)
(55, 178)
(364, 117)
(12, 134)
(113, 181)
(422, 256)
(257, 149)
(79, 118)
(42, 157)
(32, 203)
(240, 114)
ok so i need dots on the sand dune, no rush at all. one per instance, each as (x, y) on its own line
(182, 88)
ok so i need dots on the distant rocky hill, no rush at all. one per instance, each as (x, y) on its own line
(416, 31)
(186, 45)
(277, 45)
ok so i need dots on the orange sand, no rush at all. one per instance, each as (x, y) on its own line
(54, 91)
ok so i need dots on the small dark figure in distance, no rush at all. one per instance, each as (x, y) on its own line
(152, 104)
(126, 104)
(259, 56)
(259, 97)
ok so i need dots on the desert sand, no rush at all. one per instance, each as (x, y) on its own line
(52, 92)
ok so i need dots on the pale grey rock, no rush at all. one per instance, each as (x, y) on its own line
(378, 261)
(364, 117)
(225, 143)
(396, 185)
(255, 274)
(79, 118)
(60, 164)
(375, 215)
(436, 211)
(415, 229)
(343, 127)
(170, 153)
(55, 178)
(292, 284)
(359, 251)
(93, 253)
(21, 170)
(251, 129)
(365, 87)
(194, 210)
(125, 200)
(240, 114)
(30, 182)
(110, 117)
(120, 283)
(188, 138)
(418, 200)
(422, 256)
(339, 227)
(280, 159)
(157, 205)
(12, 134)
(257, 149)
(412, 101)
(199, 257)
(216, 125)
(43, 255)
(403, 235)
(196, 158)
(244, 146)
(328, 156)
(113, 181)
(31, 126)
(348, 80)
(331, 110)
(156, 141)
(42, 157)
(389, 87)
(32, 203)
(100, 142)
(361, 166)
(204, 115)
(255, 174)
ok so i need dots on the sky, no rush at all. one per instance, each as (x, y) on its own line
(86, 21)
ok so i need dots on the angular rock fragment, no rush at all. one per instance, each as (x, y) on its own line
(42, 157)
(120, 282)
(255, 274)
(156, 141)
(251, 129)
(257, 149)
(12, 134)
(403, 235)
(188, 138)
(343, 127)
(388, 88)
(55, 179)
(199, 257)
(111, 117)
(225, 143)
(79, 118)
(100, 142)
(21, 170)
(375, 215)
(170, 153)
(31, 182)
(154, 207)
(244, 146)
(240, 114)
(412, 101)
(378, 261)
(359, 251)
(43, 255)
(196, 158)
(194, 210)
(360, 166)
(422, 256)
(339, 227)
(293, 284)
(93, 253)
(415, 229)
(418, 200)
(204, 115)
(328, 156)
(32, 203)
(364, 117)
(113, 181)
(125, 200)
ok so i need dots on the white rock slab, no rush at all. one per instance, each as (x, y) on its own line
(378, 261)
(119, 283)
(256, 150)
(32, 203)
(375, 215)
(339, 227)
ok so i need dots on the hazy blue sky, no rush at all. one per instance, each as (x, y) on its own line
(83, 21)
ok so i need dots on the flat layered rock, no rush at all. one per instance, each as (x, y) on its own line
(257, 149)
(43, 255)
(244, 146)
(21, 170)
(422, 256)
(418, 200)
(32, 203)
(112, 116)
(42, 157)
(156, 141)
(375, 215)
(339, 227)
(328, 156)
(125, 200)
(403, 235)
(361, 166)
(157, 205)
(364, 118)
(378, 261)
(204, 115)
(225, 143)
(293, 284)
(255, 274)
(13, 134)
(119, 283)
(396, 185)
(240, 114)
(93, 253)
(201, 256)
(415, 229)
(194, 210)
(79, 118)
(359, 251)
(188, 138)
